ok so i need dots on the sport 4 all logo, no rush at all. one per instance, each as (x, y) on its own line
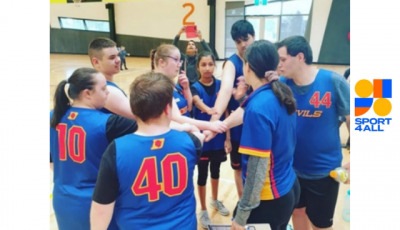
(381, 90)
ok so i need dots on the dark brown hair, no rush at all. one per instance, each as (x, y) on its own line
(150, 93)
(80, 80)
(97, 45)
(262, 56)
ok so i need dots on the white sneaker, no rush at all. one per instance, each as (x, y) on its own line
(204, 219)
(220, 207)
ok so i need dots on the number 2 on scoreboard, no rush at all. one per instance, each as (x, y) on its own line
(185, 22)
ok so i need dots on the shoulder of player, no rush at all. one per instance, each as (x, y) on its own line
(338, 80)
(263, 100)
(283, 79)
(230, 68)
(128, 138)
(178, 87)
(181, 135)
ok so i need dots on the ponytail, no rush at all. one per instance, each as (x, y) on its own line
(152, 55)
(284, 95)
(263, 59)
(61, 104)
(68, 91)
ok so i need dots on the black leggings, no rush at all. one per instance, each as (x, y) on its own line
(202, 168)
(277, 212)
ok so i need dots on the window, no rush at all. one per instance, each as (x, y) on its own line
(273, 8)
(256, 22)
(279, 19)
(101, 26)
(71, 23)
(234, 11)
(84, 24)
(296, 7)
(293, 25)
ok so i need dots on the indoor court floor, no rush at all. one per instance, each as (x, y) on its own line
(62, 66)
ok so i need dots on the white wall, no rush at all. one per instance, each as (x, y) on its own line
(150, 18)
(90, 10)
(320, 14)
(160, 18)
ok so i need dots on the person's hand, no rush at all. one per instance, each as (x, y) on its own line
(194, 128)
(208, 135)
(186, 127)
(236, 226)
(182, 30)
(347, 167)
(218, 126)
(198, 32)
(183, 80)
(241, 88)
(211, 111)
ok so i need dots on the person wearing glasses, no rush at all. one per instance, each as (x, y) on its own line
(166, 59)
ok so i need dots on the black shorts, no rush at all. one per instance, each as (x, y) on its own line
(319, 198)
(236, 157)
(214, 155)
(276, 213)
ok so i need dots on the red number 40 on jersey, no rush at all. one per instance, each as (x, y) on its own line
(148, 173)
(326, 100)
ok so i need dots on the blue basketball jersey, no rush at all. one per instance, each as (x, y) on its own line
(104, 110)
(155, 177)
(217, 142)
(318, 148)
(236, 132)
(269, 131)
(76, 148)
(181, 101)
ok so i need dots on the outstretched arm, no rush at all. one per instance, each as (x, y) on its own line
(203, 42)
(216, 126)
(225, 93)
(176, 39)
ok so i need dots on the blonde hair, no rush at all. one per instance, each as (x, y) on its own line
(162, 51)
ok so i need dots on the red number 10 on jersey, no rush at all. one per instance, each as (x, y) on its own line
(74, 139)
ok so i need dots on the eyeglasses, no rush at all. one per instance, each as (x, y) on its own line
(177, 61)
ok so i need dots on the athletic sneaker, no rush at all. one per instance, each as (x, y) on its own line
(220, 207)
(204, 219)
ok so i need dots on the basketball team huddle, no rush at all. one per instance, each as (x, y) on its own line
(127, 161)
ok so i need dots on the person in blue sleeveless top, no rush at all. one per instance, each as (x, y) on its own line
(79, 135)
(185, 106)
(166, 60)
(271, 189)
(322, 96)
(104, 57)
(204, 93)
(242, 33)
(145, 178)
